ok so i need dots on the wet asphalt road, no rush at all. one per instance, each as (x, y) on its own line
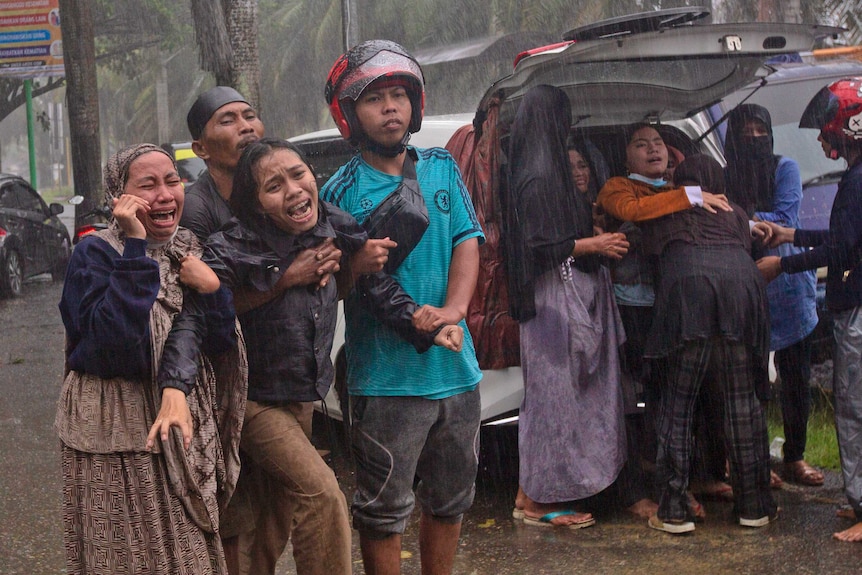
(31, 365)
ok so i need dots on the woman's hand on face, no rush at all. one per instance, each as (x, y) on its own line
(174, 412)
(611, 245)
(197, 275)
(125, 209)
(769, 267)
(714, 202)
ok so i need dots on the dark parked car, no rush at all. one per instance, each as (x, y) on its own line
(189, 166)
(33, 240)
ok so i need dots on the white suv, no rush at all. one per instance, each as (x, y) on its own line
(661, 67)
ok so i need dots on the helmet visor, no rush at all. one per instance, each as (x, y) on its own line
(820, 110)
(382, 64)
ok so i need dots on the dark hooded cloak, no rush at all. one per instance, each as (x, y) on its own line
(751, 163)
(543, 215)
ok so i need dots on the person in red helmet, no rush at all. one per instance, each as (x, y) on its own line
(413, 415)
(836, 110)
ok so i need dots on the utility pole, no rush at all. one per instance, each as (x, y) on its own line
(349, 24)
(82, 98)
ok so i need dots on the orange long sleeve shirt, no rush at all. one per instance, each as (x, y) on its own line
(633, 201)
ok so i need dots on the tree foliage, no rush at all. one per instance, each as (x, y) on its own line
(13, 96)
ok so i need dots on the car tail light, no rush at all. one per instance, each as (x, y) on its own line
(2, 233)
(558, 47)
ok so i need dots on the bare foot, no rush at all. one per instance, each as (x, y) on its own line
(521, 499)
(775, 481)
(852, 534)
(695, 507)
(846, 513)
(643, 508)
(714, 490)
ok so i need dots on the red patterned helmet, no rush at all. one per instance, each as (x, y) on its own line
(354, 71)
(836, 110)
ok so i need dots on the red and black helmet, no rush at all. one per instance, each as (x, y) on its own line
(363, 64)
(836, 110)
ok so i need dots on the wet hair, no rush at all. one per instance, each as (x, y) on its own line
(599, 172)
(243, 197)
(701, 170)
(630, 130)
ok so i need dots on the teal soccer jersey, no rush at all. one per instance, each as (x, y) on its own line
(379, 362)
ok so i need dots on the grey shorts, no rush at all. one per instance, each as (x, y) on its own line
(397, 439)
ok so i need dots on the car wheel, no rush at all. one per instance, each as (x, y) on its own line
(58, 271)
(12, 277)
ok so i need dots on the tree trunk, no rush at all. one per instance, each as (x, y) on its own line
(226, 33)
(82, 98)
(242, 30)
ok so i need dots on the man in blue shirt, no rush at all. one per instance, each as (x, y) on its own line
(413, 414)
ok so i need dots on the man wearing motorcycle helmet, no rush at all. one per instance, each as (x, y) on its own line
(836, 111)
(413, 415)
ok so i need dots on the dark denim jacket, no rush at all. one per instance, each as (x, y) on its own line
(289, 338)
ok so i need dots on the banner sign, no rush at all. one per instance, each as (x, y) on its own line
(30, 42)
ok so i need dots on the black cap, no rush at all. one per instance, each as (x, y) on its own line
(207, 104)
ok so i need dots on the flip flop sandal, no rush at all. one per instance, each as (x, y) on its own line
(545, 520)
(518, 514)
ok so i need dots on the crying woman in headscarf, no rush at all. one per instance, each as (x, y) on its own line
(170, 439)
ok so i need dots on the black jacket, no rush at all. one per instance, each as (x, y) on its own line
(839, 247)
(289, 338)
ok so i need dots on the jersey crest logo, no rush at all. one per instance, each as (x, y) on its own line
(441, 200)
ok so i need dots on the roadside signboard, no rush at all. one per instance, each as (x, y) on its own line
(30, 42)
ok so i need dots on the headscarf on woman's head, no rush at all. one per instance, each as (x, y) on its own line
(751, 162)
(599, 171)
(116, 171)
(543, 214)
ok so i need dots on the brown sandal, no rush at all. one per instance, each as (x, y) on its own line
(803, 474)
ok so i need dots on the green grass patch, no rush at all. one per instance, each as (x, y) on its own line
(821, 449)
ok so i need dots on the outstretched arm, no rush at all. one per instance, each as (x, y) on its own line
(463, 273)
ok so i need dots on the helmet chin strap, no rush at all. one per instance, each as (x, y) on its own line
(367, 143)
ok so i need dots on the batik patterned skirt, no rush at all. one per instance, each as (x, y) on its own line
(119, 517)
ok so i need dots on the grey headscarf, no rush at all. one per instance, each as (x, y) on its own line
(116, 171)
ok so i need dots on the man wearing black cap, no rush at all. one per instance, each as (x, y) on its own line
(222, 123)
